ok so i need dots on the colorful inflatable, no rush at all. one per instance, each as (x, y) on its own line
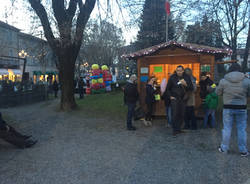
(104, 67)
(97, 82)
(101, 79)
(95, 66)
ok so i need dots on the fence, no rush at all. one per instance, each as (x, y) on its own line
(12, 98)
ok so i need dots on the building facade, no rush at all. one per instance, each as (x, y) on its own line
(40, 59)
(9, 63)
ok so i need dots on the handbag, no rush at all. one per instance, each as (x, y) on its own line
(157, 97)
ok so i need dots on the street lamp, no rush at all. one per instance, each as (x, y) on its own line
(22, 54)
(86, 64)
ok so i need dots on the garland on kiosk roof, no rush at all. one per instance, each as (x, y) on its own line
(190, 46)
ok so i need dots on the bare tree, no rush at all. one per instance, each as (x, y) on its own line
(102, 43)
(67, 45)
(233, 16)
(245, 59)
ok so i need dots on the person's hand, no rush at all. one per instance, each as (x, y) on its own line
(172, 98)
(183, 82)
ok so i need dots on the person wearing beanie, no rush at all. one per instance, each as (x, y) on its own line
(211, 103)
(131, 96)
(235, 88)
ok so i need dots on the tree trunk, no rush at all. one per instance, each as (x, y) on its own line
(66, 75)
(244, 64)
(234, 48)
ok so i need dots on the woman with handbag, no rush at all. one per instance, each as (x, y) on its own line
(150, 98)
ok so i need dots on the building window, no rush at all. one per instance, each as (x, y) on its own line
(10, 36)
(11, 52)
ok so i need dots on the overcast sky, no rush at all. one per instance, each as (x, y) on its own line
(18, 16)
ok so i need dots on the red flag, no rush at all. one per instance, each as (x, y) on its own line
(167, 6)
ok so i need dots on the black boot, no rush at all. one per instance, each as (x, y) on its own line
(132, 128)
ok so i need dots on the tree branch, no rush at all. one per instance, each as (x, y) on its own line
(72, 9)
(59, 11)
(226, 44)
(42, 14)
(85, 11)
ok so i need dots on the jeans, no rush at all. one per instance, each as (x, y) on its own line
(131, 111)
(149, 111)
(240, 116)
(168, 114)
(212, 113)
(190, 119)
(177, 116)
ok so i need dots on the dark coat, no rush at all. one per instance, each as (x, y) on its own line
(166, 98)
(203, 87)
(55, 86)
(150, 94)
(177, 90)
(81, 84)
(131, 94)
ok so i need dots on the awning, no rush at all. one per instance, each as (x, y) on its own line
(16, 71)
(4, 71)
(37, 73)
(51, 73)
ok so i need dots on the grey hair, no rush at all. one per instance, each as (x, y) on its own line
(133, 78)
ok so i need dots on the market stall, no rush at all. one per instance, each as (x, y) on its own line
(161, 61)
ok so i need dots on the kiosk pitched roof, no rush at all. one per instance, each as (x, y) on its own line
(189, 46)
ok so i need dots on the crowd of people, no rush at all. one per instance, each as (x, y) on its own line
(178, 94)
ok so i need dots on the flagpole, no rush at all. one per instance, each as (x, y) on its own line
(166, 27)
(167, 7)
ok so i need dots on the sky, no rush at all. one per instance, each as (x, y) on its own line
(18, 16)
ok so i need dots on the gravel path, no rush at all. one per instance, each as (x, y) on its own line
(76, 149)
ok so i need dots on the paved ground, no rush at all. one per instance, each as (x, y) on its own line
(76, 149)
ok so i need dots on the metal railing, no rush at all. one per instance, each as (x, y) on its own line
(11, 99)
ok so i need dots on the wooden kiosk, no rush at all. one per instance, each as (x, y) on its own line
(161, 61)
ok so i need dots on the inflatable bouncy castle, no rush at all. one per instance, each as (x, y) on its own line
(97, 82)
(107, 77)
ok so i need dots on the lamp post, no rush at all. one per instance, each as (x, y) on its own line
(22, 54)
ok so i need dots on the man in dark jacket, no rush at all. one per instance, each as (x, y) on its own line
(81, 88)
(131, 96)
(10, 135)
(55, 88)
(178, 85)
